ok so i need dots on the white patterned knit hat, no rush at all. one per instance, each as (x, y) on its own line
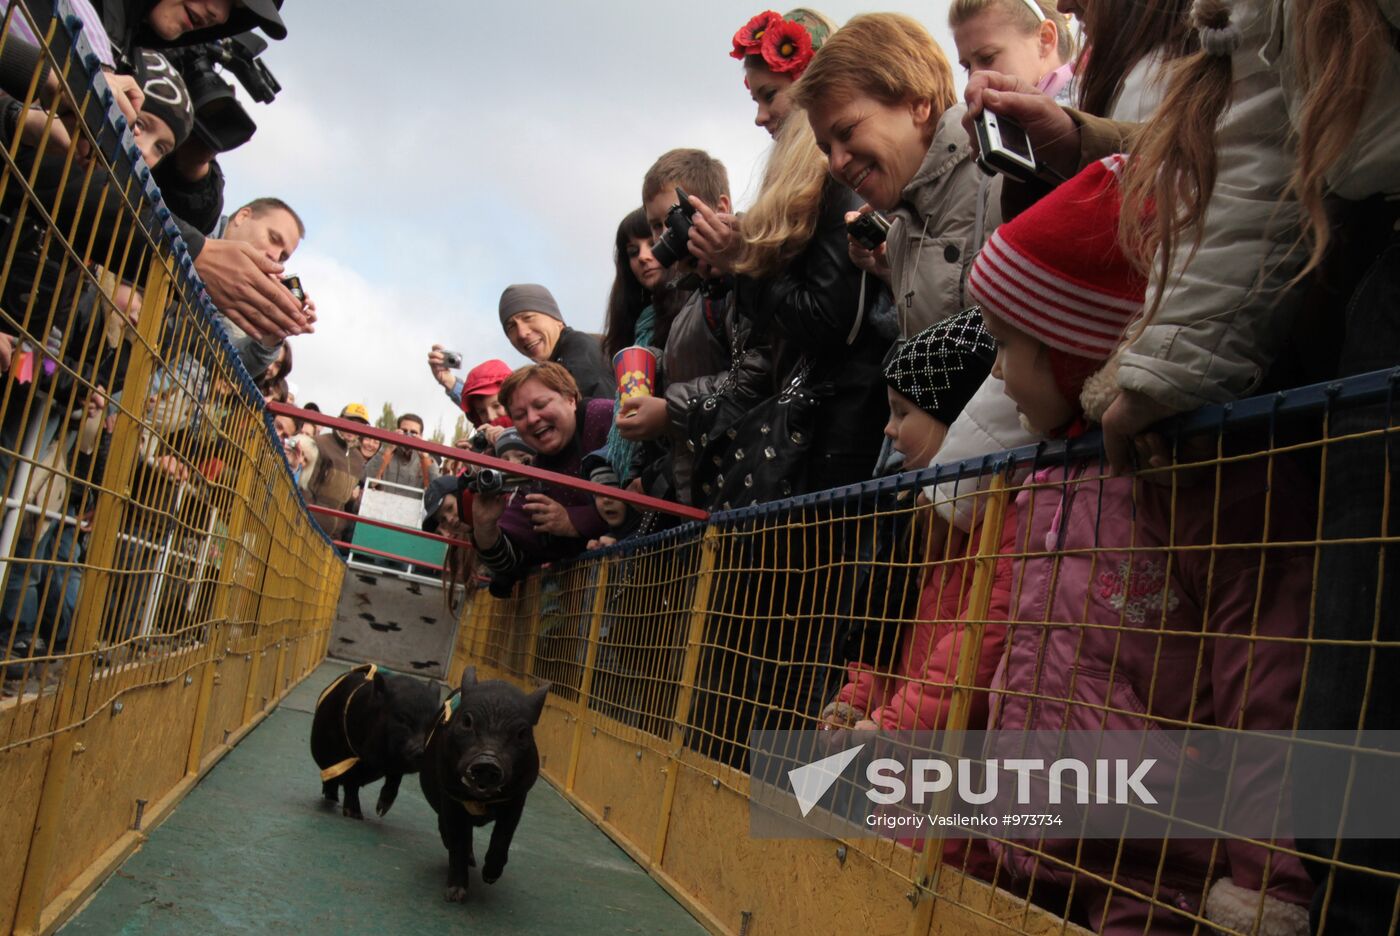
(941, 367)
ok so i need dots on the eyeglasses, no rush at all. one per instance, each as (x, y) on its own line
(410, 432)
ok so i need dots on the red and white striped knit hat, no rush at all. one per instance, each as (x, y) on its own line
(1056, 271)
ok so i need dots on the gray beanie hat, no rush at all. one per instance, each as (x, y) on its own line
(512, 441)
(528, 297)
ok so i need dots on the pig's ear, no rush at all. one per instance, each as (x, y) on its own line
(535, 703)
(468, 678)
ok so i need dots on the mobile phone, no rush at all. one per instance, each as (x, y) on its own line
(1005, 146)
(869, 230)
(451, 360)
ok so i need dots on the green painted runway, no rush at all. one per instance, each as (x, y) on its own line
(252, 849)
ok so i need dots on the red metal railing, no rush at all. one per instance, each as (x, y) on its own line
(392, 437)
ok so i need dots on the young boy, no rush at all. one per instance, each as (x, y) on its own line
(622, 520)
(698, 352)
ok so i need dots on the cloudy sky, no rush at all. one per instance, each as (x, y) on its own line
(440, 151)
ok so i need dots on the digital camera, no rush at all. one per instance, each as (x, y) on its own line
(1005, 147)
(490, 482)
(452, 360)
(671, 245)
(869, 230)
(293, 284)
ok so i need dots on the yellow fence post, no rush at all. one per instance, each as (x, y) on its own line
(690, 668)
(237, 521)
(590, 660)
(965, 681)
(92, 604)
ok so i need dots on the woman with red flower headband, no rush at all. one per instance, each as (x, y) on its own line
(794, 279)
(775, 51)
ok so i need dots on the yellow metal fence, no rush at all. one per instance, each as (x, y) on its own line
(162, 584)
(1063, 599)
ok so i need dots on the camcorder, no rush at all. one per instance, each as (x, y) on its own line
(671, 245)
(219, 120)
(1005, 148)
(869, 230)
(490, 482)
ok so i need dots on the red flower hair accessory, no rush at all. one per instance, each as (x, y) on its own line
(749, 39)
(787, 48)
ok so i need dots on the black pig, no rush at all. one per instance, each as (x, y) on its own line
(370, 724)
(480, 764)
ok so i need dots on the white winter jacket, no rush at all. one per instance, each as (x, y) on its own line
(1224, 316)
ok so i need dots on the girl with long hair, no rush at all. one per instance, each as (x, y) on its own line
(1283, 120)
(633, 317)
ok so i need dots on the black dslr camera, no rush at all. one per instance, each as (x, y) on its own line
(219, 120)
(671, 245)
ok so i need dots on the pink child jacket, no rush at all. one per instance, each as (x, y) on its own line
(916, 696)
(1099, 556)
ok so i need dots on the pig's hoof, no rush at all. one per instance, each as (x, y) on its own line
(350, 813)
(491, 874)
(456, 895)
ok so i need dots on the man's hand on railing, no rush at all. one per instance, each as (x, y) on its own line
(244, 285)
(127, 95)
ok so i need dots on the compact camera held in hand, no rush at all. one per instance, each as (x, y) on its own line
(1005, 147)
(452, 360)
(672, 244)
(293, 284)
(869, 230)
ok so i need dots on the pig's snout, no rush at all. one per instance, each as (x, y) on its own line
(486, 772)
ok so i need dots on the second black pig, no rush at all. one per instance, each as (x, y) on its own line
(480, 764)
(369, 724)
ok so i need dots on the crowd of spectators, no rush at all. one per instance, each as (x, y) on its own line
(890, 300)
(1211, 181)
(71, 319)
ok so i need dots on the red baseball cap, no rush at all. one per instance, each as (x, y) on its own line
(485, 378)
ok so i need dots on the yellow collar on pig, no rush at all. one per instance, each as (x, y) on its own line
(367, 672)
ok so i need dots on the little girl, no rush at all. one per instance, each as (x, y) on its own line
(1027, 39)
(930, 379)
(1141, 604)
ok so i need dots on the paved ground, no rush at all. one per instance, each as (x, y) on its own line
(253, 850)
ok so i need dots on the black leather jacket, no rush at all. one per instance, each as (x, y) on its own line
(813, 307)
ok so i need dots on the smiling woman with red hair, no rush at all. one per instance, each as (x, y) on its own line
(516, 529)
(881, 102)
